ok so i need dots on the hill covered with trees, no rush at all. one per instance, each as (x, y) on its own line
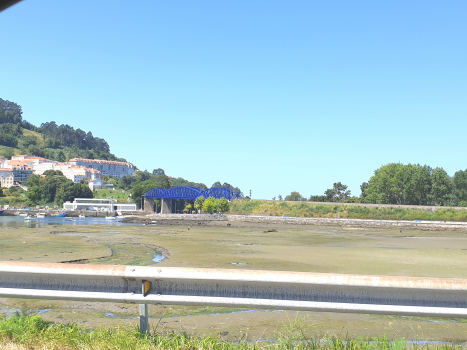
(49, 140)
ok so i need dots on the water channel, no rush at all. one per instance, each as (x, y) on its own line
(19, 221)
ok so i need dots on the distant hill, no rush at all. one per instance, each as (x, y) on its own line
(49, 140)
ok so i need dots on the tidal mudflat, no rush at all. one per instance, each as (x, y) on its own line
(260, 247)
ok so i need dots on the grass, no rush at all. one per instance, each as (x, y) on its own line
(119, 195)
(32, 332)
(342, 210)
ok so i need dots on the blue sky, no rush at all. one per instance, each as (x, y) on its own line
(272, 96)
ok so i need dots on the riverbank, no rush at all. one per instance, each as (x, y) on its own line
(289, 222)
(340, 210)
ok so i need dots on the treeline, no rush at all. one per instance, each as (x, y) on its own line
(54, 189)
(401, 184)
(52, 141)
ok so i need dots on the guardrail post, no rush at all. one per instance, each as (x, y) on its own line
(143, 318)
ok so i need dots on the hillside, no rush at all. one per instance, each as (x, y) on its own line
(49, 140)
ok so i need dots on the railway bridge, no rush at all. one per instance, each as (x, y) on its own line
(183, 192)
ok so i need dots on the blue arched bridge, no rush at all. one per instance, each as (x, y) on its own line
(191, 193)
(183, 192)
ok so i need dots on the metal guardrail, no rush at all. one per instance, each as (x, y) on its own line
(439, 297)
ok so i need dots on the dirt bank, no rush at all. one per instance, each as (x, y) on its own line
(240, 221)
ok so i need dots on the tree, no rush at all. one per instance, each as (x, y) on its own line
(210, 205)
(279, 197)
(8, 140)
(317, 198)
(410, 184)
(442, 187)
(199, 203)
(294, 196)
(53, 173)
(137, 192)
(223, 205)
(363, 188)
(70, 191)
(158, 171)
(460, 185)
(337, 193)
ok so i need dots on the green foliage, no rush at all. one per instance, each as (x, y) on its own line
(337, 193)
(210, 205)
(8, 140)
(55, 189)
(34, 332)
(294, 196)
(306, 209)
(56, 142)
(396, 183)
(53, 173)
(199, 203)
(217, 184)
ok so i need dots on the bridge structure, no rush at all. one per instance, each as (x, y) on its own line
(183, 192)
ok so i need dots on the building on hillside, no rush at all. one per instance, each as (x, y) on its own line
(72, 172)
(77, 173)
(95, 184)
(22, 174)
(99, 204)
(106, 167)
(41, 168)
(37, 160)
(6, 177)
(20, 157)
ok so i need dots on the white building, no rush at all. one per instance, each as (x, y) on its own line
(106, 167)
(99, 204)
(71, 172)
(6, 177)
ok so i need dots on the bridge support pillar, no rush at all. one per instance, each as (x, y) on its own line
(166, 206)
(149, 205)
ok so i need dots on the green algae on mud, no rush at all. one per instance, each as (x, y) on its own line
(305, 248)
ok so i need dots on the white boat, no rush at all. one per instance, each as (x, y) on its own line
(110, 217)
(68, 219)
(28, 217)
(23, 214)
(40, 215)
(82, 216)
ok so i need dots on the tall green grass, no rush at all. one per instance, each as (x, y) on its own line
(342, 210)
(32, 332)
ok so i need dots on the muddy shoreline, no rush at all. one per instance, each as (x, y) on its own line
(236, 221)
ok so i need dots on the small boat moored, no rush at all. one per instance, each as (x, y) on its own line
(59, 215)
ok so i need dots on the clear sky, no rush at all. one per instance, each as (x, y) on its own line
(272, 96)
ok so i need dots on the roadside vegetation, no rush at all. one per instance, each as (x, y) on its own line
(342, 211)
(14, 197)
(32, 332)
